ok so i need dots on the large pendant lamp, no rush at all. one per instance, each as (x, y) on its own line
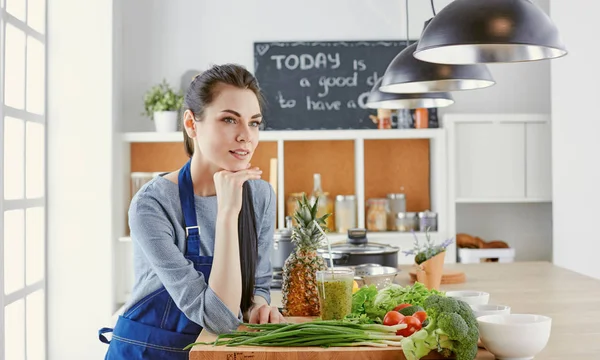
(406, 74)
(382, 100)
(489, 31)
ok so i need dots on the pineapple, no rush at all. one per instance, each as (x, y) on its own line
(299, 288)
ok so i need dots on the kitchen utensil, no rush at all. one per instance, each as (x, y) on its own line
(374, 274)
(357, 251)
(514, 336)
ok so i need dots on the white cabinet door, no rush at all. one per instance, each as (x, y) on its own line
(539, 161)
(490, 160)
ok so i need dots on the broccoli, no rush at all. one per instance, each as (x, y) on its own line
(418, 344)
(452, 329)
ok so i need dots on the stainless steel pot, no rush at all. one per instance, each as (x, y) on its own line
(282, 245)
(357, 251)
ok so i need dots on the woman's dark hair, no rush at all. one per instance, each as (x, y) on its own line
(201, 93)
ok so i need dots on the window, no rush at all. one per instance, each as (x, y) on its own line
(23, 179)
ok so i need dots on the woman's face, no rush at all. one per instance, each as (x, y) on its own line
(228, 134)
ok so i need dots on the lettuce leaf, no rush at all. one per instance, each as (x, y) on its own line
(375, 304)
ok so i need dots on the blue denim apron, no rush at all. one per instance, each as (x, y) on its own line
(154, 328)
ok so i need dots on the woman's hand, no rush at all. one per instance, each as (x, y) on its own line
(264, 314)
(228, 186)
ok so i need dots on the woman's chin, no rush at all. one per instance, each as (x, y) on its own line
(237, 166)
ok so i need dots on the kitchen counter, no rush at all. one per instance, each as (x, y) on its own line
(570, 299)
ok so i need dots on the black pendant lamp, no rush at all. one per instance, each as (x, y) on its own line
(406, 74)
(490, 31)
(382, 100)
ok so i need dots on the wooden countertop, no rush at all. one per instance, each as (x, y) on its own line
(570, 299)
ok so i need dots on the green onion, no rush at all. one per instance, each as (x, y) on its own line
(317, 333)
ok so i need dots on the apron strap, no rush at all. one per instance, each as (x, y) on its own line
(186, 197)
(102, 337)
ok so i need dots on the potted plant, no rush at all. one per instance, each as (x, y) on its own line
(161, 104)
(429, 260)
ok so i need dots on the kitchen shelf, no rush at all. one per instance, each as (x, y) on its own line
(500, 200)
(272, 135)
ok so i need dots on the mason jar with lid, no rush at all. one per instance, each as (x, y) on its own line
(345, 213)
(377, 214)
(427, 221)
(397, 203)
(406, 221)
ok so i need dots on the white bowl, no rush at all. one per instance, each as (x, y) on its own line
(514, 336)
(488, 309)
(470, 297)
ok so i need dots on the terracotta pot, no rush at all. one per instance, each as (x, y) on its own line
(430, 272)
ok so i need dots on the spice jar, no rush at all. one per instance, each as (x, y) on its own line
(427, 221)
(345, 213)
(406, 221)
(377, 213)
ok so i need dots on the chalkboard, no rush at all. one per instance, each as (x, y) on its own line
(320, 85)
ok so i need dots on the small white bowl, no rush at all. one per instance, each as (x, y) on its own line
(489, 309)
(514, 336)
(470, 297)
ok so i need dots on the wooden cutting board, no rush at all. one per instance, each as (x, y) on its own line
(449, 277)
(209, 352)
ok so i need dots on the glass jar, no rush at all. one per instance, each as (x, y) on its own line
(406, 221)
(345, 213)
(397, 203)
(292, 205)
(427, 221)
(377, 214)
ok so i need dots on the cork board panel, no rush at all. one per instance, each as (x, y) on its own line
(334, 160)
(393, 166)
(167, 156)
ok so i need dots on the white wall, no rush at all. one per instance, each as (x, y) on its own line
(575, 145)
(525, 227)
(164, 39)
(80, 138)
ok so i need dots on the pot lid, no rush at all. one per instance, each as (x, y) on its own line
(363, 249)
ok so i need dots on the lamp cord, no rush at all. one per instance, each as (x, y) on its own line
(432, 7)
(406, 4)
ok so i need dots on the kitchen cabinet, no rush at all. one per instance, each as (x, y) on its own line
(538, 161)
(499, 158)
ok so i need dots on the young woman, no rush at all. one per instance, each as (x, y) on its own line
(202, 235)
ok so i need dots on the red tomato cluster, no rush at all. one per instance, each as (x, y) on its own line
(413, 323)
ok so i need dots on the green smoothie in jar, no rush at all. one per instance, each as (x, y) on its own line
(335, 292)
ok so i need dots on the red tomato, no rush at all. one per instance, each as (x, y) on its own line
(392, 318)
(401, 306)
(421, 315)
(413, 325)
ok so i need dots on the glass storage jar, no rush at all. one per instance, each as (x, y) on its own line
(377, 212)
(406, 221)
(345, 213)
(427, 221)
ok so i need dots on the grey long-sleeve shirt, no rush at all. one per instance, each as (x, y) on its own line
(158, 236)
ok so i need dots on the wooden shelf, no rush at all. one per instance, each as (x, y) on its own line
(367, 134)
